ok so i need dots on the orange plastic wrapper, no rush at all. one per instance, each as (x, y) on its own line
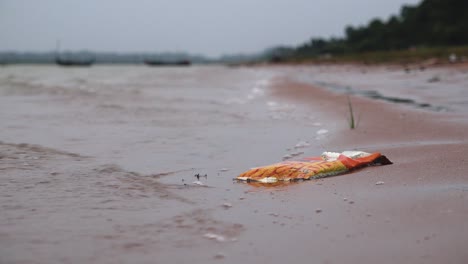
(329, 164)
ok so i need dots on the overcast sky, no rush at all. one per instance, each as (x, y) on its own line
(208, 27)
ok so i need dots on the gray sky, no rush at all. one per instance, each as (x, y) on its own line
(209, 27)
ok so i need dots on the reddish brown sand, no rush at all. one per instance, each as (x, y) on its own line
(58, 206)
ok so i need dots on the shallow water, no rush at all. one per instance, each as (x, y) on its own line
(161, 120)
(144, 118)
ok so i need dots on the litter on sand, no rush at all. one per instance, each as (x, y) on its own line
(329, 164)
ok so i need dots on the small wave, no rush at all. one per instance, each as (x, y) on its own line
(41, 149)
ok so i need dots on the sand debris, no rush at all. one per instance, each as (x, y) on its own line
(379, 183)
(198, 176)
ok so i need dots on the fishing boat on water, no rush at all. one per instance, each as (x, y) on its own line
(167, 63)
(82, 59)
(74, 62)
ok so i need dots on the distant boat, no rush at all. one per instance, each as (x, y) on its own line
(167, 63)
(71, 62)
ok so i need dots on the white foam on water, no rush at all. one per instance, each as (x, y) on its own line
(216, 237)
(263, 82)
(280, 111)
(256, 92)
(258, 89)
(272, 104)
(322, 131)
(302, 144)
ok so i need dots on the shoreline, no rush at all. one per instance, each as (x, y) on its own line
(425, 188)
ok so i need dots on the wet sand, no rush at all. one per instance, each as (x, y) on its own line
(102, 176)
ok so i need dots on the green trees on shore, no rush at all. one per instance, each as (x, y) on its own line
(432, 23)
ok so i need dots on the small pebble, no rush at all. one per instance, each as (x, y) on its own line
(351, 202)
(219, 256)
(318, 210)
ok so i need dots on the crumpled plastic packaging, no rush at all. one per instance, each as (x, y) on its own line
(329, 164)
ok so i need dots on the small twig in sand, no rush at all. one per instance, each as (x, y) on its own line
(198, 176)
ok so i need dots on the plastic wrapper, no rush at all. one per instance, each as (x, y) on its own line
(328, 164)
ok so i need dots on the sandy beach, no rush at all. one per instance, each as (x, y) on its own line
(97, 164)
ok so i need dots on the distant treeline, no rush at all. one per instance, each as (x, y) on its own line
(432, 23)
